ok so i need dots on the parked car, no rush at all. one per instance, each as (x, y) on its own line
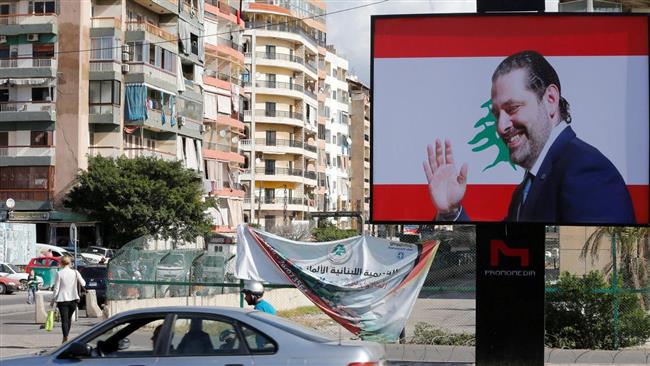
(95, 254)
(11, 271)
(44, 250)
(174, 336)
(7, 285)
(96, 277)
(172, 268)
(46, 268)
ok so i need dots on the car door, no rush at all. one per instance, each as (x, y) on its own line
(200, 339)
(131, 341)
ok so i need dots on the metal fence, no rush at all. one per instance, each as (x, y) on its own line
(447, 301)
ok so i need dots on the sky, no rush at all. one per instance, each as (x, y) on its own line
(349, 31)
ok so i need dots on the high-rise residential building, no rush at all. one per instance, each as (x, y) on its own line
(360, 135)
(337, 135)
(285, 56)
(223, 111)
(95, 77)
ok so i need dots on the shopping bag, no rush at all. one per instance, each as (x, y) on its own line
(49, 322)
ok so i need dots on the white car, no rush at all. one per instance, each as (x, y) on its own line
(10, 271)
(95, 254)
(209, 336)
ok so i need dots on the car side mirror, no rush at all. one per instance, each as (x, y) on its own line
(78, 350)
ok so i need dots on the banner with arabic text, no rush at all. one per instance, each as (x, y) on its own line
(368, 285)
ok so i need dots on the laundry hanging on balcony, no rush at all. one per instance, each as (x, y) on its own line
(234, 95)
(172, 110)
(136, 102)
(210, 106)
(28, 81)
(180, 81)
(184, 37)
(224, 104)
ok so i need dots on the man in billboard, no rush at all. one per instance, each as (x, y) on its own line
(566, 181)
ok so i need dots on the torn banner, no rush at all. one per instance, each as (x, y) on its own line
(368, 285)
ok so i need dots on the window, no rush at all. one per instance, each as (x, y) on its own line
(269, 109)
(256, 341)
(5, 9)
(43, 50)
(41, 138)
(333, 94)
(42, 94)
(270, 52)
(104, 92)
(270, 138)
(4, 95)
(132, 338)
(42, 7)
(198, 336)
(270, 80)
(321, 132)
(4, 51)
(269, 167)
(19, 177)
(195, 43)
(104, 48)
(4, 139)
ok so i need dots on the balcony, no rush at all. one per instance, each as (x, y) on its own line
(133, 152)
(280, 203)
(15, 24)
(220, 79)
(105, 22)
(27, 111)
(145, 73)
(160, 6)
(222, 9)
(279, 117)
(222, 152)
(281, 88)
(286, 60)
(309, 39)
(222, 188)
(28, 67)
(281, 146)
(278, 175)
(104, 113)
(26, 155)
(219, 47)
(148, 28)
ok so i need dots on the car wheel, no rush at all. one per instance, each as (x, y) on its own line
(3, 289)
(23, 285)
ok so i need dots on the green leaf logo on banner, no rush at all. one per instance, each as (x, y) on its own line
(339, 254)
(489, 136)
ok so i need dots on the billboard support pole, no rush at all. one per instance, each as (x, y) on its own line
(510, 294)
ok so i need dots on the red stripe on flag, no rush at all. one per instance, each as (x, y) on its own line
(474, 36)
(483, 202)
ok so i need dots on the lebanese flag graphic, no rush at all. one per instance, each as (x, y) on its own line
(432, 79)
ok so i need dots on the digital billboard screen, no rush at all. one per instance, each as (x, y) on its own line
(510, 118)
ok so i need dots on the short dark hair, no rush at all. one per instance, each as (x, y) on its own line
(540, 75)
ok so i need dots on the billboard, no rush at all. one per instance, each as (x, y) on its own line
(515, 118)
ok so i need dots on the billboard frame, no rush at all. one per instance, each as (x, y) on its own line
(434, 221)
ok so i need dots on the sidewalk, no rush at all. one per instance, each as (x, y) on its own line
(398, 353)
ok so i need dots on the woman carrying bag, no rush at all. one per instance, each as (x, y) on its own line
(66, 294)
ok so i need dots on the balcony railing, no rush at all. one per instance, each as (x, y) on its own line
(282, 201)
(310, 175)
(281, 142)
(151, 29)
(22, 19)
(278, 56)
(279, 171)
(279, 114)
(133, 152)
(229, 43)
(277, 85)
(106, 22)
(103, 65)
(223, 6)
(217, 185)
(310, 93)
(26, 150)
(223, 76)
(220, 147)
(27, 106)
(283, 27)
(24, 194)
(22, 62)
(311, 66)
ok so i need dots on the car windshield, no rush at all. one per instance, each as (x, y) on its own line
(93, 272)
(92, 251)
(13, 268)
(291, 327)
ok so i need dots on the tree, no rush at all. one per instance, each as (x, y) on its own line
(141, 196)
(329, 232)
(632, 249)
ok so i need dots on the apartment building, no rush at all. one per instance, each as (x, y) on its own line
(337, 136)
(360, 157)
(95, 77)
(285, 57)
(223, 114)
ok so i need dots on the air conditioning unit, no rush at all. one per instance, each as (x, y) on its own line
(126, 48)
(3, 39)
(125, 68)
(126, 57)
(181, 121)
(32, 37)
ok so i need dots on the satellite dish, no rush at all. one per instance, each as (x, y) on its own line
(222, 133)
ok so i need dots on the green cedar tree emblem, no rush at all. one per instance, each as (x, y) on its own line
(489, 135)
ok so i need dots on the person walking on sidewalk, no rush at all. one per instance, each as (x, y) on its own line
(253, 292)
(32, 287)
(66, 294)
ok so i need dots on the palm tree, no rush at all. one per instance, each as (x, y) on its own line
(633, 250)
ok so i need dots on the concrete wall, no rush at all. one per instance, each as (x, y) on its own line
(572, 240)
(281, 299)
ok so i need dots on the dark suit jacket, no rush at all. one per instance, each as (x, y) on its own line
(576, 183)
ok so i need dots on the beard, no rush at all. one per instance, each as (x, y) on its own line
(537, 134)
